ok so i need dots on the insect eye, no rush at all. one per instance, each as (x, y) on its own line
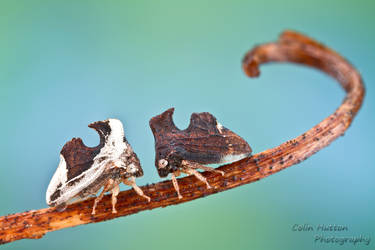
(163, 163)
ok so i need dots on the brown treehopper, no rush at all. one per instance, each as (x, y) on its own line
(83, 170)
(205, 141)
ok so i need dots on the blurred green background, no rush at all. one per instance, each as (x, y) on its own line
(65, 64)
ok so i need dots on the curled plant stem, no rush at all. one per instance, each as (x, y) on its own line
(291, 47)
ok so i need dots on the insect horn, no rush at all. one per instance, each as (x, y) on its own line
(163, 122)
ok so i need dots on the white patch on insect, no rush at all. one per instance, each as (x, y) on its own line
(112, 154)
(219, 127)
(163, 163)
(59, 177)
(114, 146)
(131, 168)
(233, 158)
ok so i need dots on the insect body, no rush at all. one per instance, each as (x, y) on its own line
(205, 141)
(83, 170)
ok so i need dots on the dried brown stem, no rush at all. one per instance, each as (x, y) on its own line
(291, 47)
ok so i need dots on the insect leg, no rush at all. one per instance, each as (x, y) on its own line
(175, 183)
(139, 191)
(61, 207)
(108, 186)
(115, 191)
(188, 170)
(195, 165)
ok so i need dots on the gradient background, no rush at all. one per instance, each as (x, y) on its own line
(65, 64)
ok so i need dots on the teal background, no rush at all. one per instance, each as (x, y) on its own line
(65, 64)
